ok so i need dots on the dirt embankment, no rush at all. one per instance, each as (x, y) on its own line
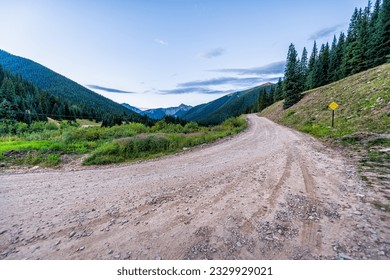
(268, 193)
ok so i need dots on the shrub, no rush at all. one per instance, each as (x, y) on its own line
(82, 134)
(117, 131)
(53, 160)
(159, 126)
(51, 126)
(21, 128)
(191, 127)
(66, 124)
(3, 128)
(37, 126)
(128, 149)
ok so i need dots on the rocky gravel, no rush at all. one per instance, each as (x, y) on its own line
(267, 193)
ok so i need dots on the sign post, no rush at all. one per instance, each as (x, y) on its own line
(333, 106)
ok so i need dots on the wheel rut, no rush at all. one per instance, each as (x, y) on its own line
(311, 229)
(262, 194)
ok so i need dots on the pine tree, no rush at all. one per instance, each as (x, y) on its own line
(350, 45)
(278, 90)
(360, 53)
(1, 74)
(383, 54)
(271, 96)
(340, 53)
(321, 66)
(8, 90)
(262, 100)
(333, 61)
(312, 61)
(291, 79)
(7, 110)
(317, 74)
(366, 45)
(303, 70)
(324, 57)
(374, 40)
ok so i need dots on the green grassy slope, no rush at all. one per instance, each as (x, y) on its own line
(362, 124)
(364, 101)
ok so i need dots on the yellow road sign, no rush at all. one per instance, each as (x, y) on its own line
(333, 106)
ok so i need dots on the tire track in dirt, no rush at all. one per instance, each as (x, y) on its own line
(276, 189)
(310, 236)
(243, 198)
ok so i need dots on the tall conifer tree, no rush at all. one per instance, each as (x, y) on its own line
(291, 79)
(312, 60)
(383, 54)
(303, 70)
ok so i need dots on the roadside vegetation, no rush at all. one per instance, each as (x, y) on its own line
(363, 106)
(45, 143)
(362, 123)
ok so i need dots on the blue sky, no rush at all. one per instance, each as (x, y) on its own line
(160, 53)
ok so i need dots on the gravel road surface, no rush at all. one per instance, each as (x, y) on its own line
(267, 193)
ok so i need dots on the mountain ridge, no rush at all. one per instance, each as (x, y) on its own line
(61, 86)
(227, 106)
(159, 113)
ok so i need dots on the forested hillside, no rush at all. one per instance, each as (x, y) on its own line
(85, 103)
(366, 45)
(23, 101)
(227, 106)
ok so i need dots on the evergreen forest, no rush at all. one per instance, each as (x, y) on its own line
(365, 45)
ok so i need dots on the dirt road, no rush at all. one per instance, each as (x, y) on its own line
(268, 193)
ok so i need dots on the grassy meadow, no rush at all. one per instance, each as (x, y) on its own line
(44, 143)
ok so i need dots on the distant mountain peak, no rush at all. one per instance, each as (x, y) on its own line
(232, 104)
(159, 113)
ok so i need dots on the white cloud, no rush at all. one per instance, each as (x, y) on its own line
(325, 32)
(212, 53)
(161, 42)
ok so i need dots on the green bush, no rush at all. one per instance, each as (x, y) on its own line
(82, 134)
(128, 149)
(3, 128)
(44, 142)
(21, 128)
(135, 147)
(159, 126)
(66, 124)
(138, 127)
(191, 127)
(53, 160)
(37, 126)
(7, 127)
(51, 126)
